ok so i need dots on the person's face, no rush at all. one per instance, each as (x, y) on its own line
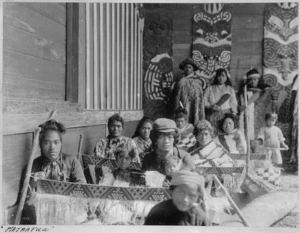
(271, 122)
(51, 145)
(115, 129)
(204, 137)
(184, 196)
(165, 142)
(188, 69)
(222, 78)
(180, 122)
(145, 130)
(123, 160)
(172, 166)
(228, 126)
(253, 81)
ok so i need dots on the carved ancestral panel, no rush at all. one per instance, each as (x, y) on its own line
(212, 37)
(158, 75)
(280, 62)
(281, 42)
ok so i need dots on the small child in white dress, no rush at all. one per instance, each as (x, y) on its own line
(271, 137)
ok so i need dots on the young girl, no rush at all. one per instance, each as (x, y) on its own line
(270, 136)
(187, 139)
(219, 98)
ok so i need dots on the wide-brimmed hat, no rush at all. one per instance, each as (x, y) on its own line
(164, 125)
(188, 61)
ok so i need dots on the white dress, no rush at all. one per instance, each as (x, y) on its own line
(272, 136)
(214, 93)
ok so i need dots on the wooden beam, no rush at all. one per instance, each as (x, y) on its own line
(135, 43)
(101, 63)
(72, 52)
(123, 55)
(88, 54)
(108, 57)
(25, 123)
(118, 74)
(82, 57)
(132, 67)
(113, 76)
(126, 56)
(96, 63)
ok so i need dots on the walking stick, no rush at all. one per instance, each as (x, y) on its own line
(247, 126)
(28, 172)
(234, 206)
(79, 157)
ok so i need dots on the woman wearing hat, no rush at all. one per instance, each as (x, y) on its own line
(184, 207)
(189, 91)
(209, 153)
(164, 137)
(219, 98)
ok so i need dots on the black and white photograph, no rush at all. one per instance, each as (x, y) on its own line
(134, 114)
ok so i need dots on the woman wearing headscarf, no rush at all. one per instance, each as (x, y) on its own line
(184, 208)
(255, 89)
(188, 91)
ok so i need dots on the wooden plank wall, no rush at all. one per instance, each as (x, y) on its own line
(34, 60)
(247, 38)
(34, 55)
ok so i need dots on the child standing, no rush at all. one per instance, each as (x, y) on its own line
(270, 136)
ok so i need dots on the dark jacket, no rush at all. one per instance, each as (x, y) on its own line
(72, 170)
(151, 162)
(166, 213)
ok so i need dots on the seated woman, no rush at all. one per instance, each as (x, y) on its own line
(187, 138)
(106, 147)
(219, 98)
(206, 152)
(165, 137)
(183, 208)
(141, 137)
(53, 164)
(122, 175)
(230, 137)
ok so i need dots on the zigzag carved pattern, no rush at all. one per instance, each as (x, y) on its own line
(108, 192)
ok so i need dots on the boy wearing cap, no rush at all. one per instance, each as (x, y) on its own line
(184, 208)
(164, 137)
